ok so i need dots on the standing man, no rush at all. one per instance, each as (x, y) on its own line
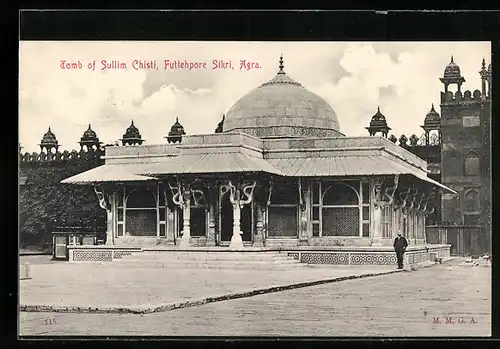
(400, 245)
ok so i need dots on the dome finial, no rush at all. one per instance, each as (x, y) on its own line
(432, 107)
(484, 63)
(281, 66)
(378, 109)
(452, 59)
(177, 119)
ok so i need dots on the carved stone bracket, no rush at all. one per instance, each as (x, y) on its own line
(377, 192)
(424, 203)
(103, 202)
(389, 193)
(270, 193)
(402, 198)
(199, 198)
(247, 190)
(418, 202)
(178, 194)
(234, 194)
(410, 203)
(302, 202)
(429, 210)
(240, 194)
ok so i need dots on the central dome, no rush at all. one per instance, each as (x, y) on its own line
(282, 108)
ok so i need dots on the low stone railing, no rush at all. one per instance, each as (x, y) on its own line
(383, 255)
(102, 253)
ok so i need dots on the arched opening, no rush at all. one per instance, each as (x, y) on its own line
(472, 201)
(227, 220)
(340, 209)
(472, 164)
(141, 213)
(282, 213)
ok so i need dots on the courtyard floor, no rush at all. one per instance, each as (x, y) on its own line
(111, 285)
(401, 304)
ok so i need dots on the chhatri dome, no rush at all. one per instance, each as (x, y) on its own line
(282, 108)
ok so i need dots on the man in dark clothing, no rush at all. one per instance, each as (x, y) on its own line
(400, 245)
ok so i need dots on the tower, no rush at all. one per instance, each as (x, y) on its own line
(176, 132)
(378, 123)
(452, 75)
(132, 136)
(432, 122)
(465, 149)
(89, 140)
(49, 142)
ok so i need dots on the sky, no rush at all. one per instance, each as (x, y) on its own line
(353, 77)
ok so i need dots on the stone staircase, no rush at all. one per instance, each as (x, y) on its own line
(266, 260)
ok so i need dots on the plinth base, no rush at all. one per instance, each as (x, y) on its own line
(185, 241)
(236, 242)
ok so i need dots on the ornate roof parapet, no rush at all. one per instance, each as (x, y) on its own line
(176, 132)
(413, 140)
(132, 136)
(403, 141)
(60, 157)
(467, 97)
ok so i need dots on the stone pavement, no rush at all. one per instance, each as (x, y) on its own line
(403, 304)
(108, 287)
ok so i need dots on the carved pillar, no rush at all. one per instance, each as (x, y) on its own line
(211, 201)
(186, 215)
(376, 211)
(105, 205)
(239, 196)
(110, 233)
(305, 211)
(169, 216)
(181, 196)
(258, 239)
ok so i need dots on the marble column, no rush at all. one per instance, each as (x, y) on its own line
(186, 215)
(240, 195)
(211, 216)
(305, 213)
(110, 219)
(236, 240)
(376, 212)
(105, 204)
(258, 239)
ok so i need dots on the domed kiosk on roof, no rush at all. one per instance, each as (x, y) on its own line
(452, 75)
(432, 119)
(282, 108)
(89, 139)
(49, 142)
(176, 132)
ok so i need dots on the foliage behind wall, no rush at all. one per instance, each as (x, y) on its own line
(45, 203)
